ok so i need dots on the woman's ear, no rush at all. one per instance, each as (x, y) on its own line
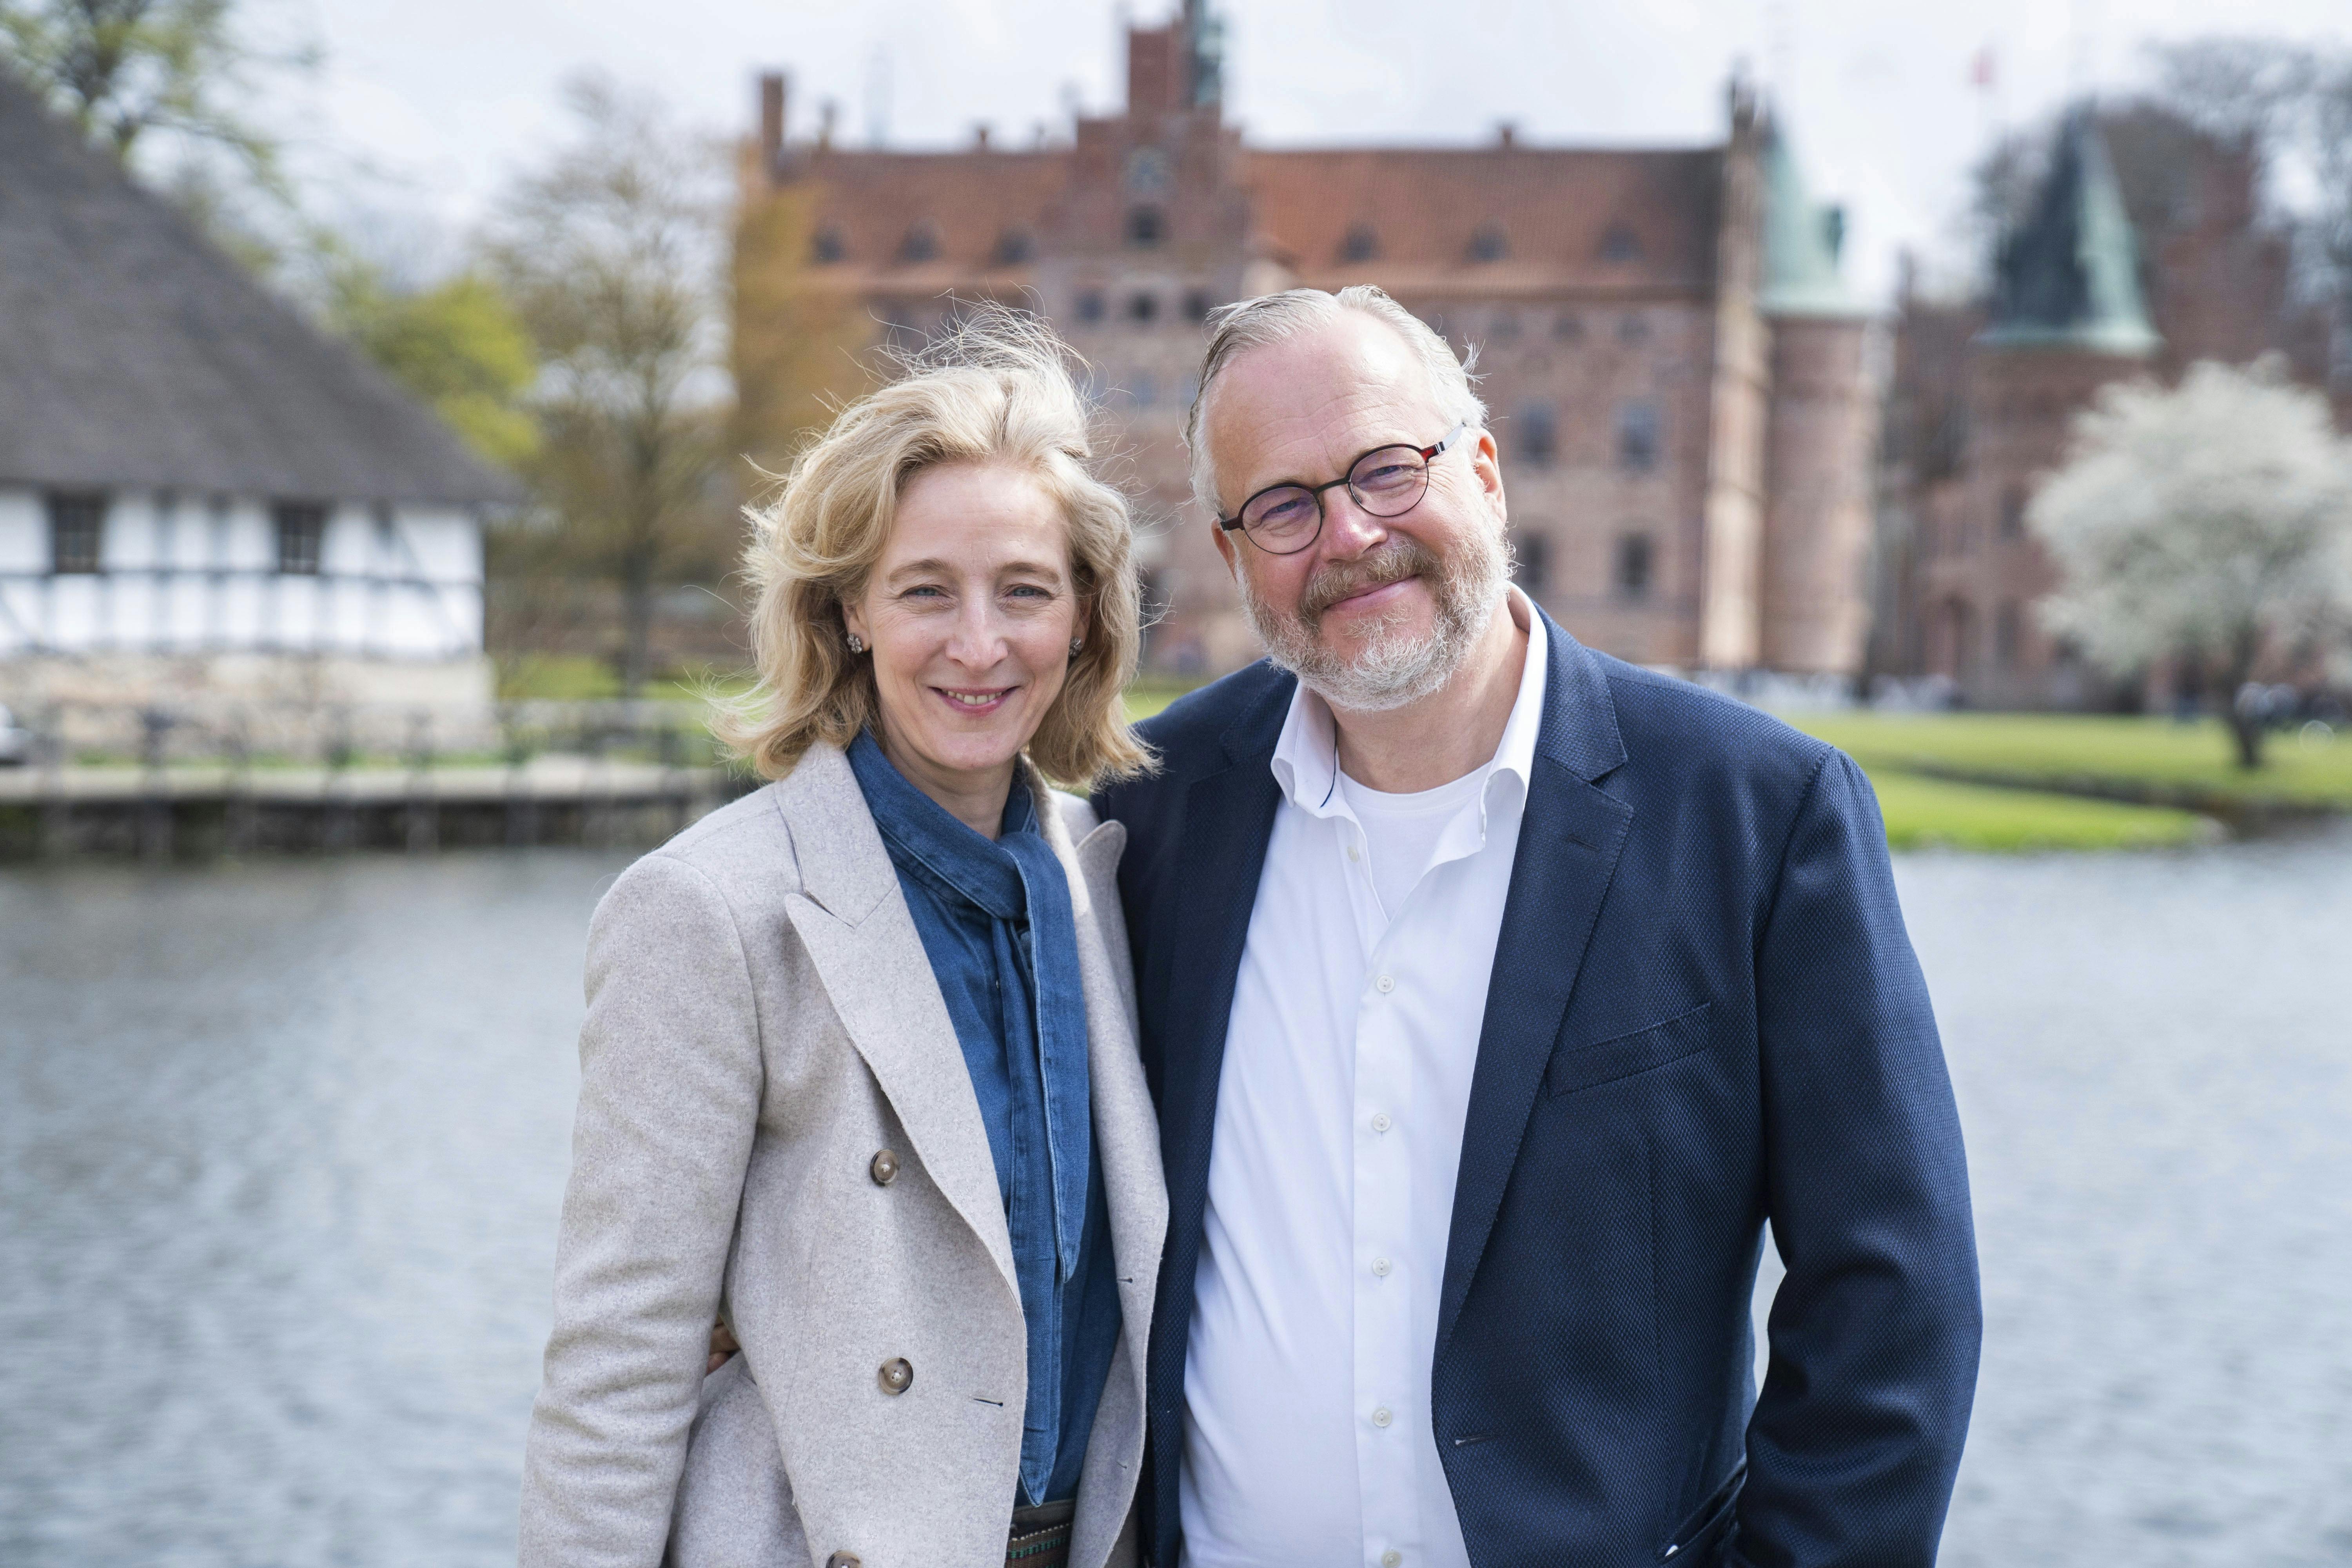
(853, 616)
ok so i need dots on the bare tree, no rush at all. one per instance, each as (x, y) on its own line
(610, 256)
(2212, 522)
(128, 70)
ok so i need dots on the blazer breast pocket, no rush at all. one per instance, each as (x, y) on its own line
(1622, 1056)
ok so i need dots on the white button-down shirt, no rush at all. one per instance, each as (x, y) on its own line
(1341, 1104)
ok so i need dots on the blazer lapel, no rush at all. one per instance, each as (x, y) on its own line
(853, 920)
(1570, 837)
(1228, 820)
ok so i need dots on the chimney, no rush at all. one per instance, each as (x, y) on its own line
(979, 136)
(1506, 135)
(772, 117)
(827, 113)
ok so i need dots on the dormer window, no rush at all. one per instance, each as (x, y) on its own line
(1489, 244)
(1362, 244)
(1621, 244)
(922, 242)
(831, 245)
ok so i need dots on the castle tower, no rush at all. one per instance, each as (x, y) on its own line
(1820, 433)
(2067, 318)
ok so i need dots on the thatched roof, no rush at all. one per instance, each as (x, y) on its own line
(133, 354)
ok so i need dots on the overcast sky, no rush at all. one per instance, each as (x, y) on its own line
(443, 100)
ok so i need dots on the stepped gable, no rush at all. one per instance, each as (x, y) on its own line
(1498, 219)
(2069, 276)
(133, 354)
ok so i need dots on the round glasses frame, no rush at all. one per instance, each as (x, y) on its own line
(1392, 503)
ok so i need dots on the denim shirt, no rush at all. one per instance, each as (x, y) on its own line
(996, 924)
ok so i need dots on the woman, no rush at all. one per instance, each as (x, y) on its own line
(858, 1073)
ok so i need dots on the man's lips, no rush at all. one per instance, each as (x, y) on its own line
(1373, 598)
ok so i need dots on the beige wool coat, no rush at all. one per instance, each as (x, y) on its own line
(762, 1022)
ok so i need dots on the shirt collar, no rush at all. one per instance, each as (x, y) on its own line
(1307, 755)
(917, 828)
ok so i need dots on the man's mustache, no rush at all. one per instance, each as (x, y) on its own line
(1393, 561)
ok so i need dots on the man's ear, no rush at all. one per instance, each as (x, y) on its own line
(1225, 547)
(1487, 466)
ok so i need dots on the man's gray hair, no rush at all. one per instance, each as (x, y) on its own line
(1249, 324)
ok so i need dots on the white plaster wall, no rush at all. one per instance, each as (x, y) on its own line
(199, 575)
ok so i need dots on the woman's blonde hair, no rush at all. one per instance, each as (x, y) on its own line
(997, 387)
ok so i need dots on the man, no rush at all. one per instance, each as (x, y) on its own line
(1495, 996)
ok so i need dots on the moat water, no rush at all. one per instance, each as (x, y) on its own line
(281, 1148)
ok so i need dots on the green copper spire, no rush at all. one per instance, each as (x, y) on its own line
(2069, 276)
(1800, 242)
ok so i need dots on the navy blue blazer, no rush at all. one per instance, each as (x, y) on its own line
(1704, 1017)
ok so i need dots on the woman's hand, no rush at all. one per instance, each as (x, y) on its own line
(722, 1346)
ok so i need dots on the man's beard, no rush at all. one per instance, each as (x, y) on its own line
(1394, 668)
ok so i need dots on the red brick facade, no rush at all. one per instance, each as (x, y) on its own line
(1688, 478)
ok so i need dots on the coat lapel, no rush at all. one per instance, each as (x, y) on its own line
(1127, 1151)
(853, 920)
(1570, 837)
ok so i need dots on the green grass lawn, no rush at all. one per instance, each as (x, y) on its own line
(2151, 760)
(1925, 813)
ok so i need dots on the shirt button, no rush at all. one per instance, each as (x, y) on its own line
(1386, 984)
(1390, 1558)
(1381, 1418)
(1380, 1266)
(1354, 854)
(1381, 1123)
(897, 1376)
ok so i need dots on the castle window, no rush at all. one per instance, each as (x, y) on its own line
(2012, 512)
(1142, 309)
(922, 241)
(1637, 438)
(1633, 329)
(1568, 327)
(1531, 563)
(1489, 244)
(829, 247)
(1196, 305)
(76, 532)
(1362, 244)
(1503, 328)
(1633, 569)
(301, 531)
(1014, 247)
(1536, 429)
(1090, 305)
(1147, 226)
(1621, 244)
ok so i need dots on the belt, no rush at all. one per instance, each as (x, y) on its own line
(1041, 1535)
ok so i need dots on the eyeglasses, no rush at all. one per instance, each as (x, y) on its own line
(1387, 481)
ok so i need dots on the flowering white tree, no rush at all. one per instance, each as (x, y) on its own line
(2212, 521)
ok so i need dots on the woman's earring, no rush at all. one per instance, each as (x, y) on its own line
(1075, 644)
(856, 643)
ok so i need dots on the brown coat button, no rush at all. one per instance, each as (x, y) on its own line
(896, 1375)
(884, 1168)
(844, 1560)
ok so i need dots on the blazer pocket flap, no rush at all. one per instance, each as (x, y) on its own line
(1622, 1056)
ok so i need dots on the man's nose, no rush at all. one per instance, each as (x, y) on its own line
(1348, 529)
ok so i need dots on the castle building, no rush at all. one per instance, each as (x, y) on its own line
(2140, 252)
(1680, 382)
(203, 498)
